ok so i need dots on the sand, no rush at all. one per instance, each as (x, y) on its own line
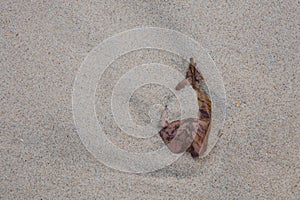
(255, 47)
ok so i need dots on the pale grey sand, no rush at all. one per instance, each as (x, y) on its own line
(255, 45)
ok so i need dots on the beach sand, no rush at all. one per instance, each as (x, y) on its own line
(255, 47)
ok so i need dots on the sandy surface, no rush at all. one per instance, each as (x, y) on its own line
(255, 47)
